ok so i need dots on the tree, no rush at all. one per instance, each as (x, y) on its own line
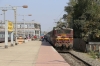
(84, 16)
(69, 10)
(61, 24)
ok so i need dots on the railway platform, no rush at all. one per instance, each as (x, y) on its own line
(32, 53)
(48, 56)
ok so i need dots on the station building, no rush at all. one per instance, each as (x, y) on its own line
(30, 28)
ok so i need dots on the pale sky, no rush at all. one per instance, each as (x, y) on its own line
(43, 11)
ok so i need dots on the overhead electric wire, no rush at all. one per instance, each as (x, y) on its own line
(60, 14)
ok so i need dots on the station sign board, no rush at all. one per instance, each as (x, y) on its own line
(10, 26)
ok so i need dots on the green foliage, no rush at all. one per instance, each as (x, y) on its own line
(84, 17)
(61, 25)
(69, 10)
(94, 55)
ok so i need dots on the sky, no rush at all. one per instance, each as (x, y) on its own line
(45, 12)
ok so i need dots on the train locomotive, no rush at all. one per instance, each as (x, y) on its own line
(61, 39)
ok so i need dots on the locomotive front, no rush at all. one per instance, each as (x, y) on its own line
(64, 39)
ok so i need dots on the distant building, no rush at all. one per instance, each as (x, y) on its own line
(31, 28)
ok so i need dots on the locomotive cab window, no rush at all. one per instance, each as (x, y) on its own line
(67, 31)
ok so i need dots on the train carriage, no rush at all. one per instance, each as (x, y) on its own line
(2, 36)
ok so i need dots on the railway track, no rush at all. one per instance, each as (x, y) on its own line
(73, 60)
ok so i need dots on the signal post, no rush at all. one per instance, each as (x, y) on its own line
(8, 28)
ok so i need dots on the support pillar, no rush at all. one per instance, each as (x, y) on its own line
(6, 34)
(39, 33)
(34, 32)
(12, 44)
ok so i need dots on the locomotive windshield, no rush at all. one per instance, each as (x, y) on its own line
(67, 31)
(64, 31)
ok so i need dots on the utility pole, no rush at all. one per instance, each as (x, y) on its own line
(6, 30)
(14, 8)
(24, 23)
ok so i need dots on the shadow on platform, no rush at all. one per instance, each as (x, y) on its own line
(46, 43)
(58, 61)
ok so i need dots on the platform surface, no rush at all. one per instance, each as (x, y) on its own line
(48, 56)
(31, 53)
(20, 55)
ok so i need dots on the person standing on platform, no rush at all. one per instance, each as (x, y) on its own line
(42, 38)
(45, 37)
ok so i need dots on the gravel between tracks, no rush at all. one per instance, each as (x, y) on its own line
(72, 60)
(86, 58)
